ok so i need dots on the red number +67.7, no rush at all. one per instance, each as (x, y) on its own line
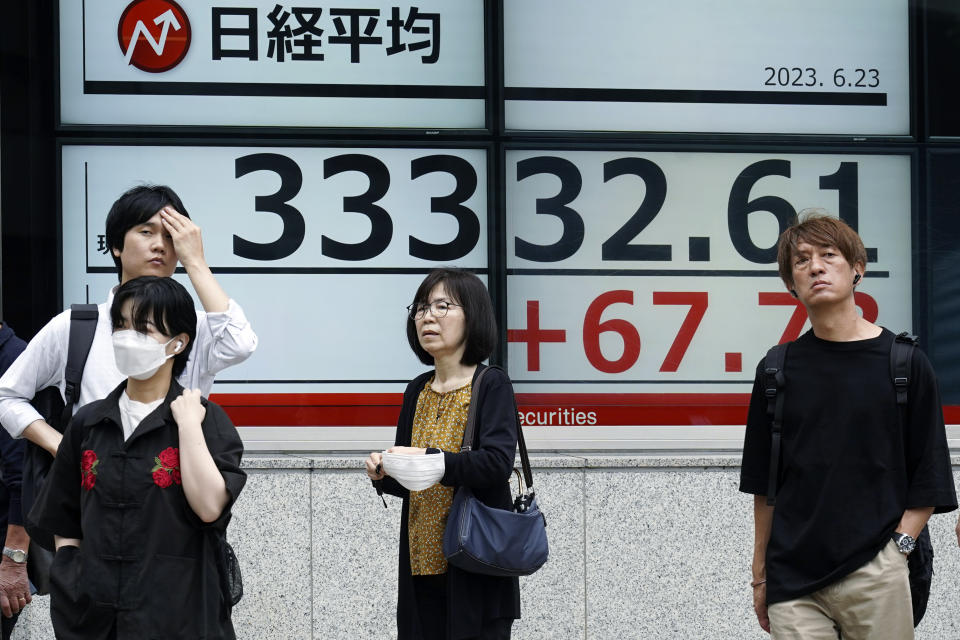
(593, 326)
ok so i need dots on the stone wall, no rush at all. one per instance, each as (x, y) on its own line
(642, 546)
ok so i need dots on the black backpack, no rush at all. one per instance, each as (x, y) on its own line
(57, 413)
(920, 559)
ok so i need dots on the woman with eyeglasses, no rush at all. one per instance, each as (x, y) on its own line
(450, 326)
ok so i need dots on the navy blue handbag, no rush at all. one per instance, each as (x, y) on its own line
(496, 542)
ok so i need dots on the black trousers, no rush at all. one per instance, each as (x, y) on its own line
(430, 593)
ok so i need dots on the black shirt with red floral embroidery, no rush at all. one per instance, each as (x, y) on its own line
(147, 563)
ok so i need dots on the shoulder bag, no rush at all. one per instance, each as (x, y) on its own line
(496, 542)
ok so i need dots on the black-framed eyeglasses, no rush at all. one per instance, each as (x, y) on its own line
(438, 309)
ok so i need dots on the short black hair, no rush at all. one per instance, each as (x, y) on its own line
(134, 207)
(480, 324)
(162, 302)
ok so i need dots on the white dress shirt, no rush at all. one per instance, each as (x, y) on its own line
(223, 339)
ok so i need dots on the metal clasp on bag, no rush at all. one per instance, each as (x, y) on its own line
(523, 502)
(525, 495)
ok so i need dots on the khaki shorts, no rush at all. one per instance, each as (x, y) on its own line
(872, 603)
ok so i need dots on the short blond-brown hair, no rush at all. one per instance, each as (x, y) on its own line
(819, 228)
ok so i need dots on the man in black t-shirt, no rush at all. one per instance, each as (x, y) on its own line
(856, 482)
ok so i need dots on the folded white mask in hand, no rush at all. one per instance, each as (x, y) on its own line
(414, 471)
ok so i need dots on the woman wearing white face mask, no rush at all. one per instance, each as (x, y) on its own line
(452, 327)
(141, 486)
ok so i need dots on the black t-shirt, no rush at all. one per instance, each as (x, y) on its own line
(849, 468)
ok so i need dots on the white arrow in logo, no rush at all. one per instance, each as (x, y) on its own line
(167, 19)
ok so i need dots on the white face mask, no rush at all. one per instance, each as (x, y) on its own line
(138, 355)
(414, 472)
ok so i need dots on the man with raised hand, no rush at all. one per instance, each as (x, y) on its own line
(148, 231)
(856, 483)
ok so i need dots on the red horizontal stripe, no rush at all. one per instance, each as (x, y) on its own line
(548, 409)
(306, 399)
(391, 399)
(637, 399)
(951, 414)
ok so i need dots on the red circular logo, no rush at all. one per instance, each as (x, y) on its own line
(154, 35)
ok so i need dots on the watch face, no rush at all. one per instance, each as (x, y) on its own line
(17, 555)
(905, 543)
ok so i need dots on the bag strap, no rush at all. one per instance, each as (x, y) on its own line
(83, 326)
(901, 357)
(774, 383)
(471, 427)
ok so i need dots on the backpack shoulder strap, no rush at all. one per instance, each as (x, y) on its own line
(774, 387)
(901, 356)
(921, 559)
(83, 325)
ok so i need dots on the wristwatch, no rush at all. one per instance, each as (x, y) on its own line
(905, 543)
(17, 555)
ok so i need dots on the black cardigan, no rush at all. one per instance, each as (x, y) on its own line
(471, 598)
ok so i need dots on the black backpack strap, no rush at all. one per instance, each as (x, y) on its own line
(83, 325)
(920, 560)
(36, 462)
(901, 356)
(774, 383)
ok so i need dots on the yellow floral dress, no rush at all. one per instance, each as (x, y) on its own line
(438, 422)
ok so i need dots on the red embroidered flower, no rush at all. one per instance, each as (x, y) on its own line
(87, 458)
(166, 471)
(162, 479)
(88, 469)
(170, 458)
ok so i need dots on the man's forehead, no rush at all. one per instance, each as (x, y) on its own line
(803, 246)
(153, 221)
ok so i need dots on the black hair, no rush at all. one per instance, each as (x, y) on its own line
(162, 302)
(480, 325)
(134, 207)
